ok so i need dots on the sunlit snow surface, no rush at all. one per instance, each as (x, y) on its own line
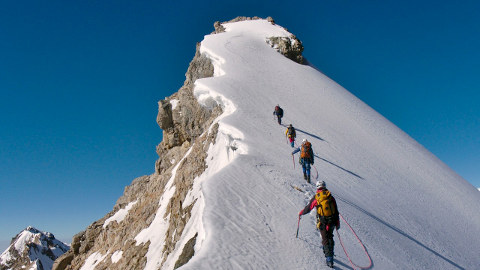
(409, 209)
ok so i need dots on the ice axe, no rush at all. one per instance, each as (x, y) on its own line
(298, 226)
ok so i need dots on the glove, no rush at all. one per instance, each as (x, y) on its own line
(300, 213)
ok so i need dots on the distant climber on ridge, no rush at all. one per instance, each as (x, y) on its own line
(291, 134)
(327, 218)
(279, 113)
(306, 158)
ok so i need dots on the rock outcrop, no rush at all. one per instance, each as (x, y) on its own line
(291, 47)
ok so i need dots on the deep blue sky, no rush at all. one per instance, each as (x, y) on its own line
(80, 82)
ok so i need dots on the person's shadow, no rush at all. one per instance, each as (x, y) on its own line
(309, 134)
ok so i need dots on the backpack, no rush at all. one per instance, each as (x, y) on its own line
(291, 132)
(306, 150)
(325, 205)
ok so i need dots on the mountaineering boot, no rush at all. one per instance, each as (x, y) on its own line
(330, 262)
(308, 179)
(305, 176)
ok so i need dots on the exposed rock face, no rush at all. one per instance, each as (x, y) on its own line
(291, 47)
(32, 249)
(109, 243)
(188, 132)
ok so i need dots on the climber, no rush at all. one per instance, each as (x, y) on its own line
(291, 134)
(279, 113)
(327, 218)
(306, 158)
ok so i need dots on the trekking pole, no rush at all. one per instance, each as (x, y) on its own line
(293, 159)
(298, 226)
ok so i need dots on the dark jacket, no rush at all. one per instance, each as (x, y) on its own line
(278, 112)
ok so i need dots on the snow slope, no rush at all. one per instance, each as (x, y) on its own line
(410, 210)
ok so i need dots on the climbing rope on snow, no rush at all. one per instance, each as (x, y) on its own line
(316, 177)
(364, 249)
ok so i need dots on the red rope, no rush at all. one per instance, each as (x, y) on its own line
(364, 249)
(315, 171)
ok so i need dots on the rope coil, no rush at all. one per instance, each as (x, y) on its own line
(360, 241)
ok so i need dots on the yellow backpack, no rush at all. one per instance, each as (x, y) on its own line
(325, 205)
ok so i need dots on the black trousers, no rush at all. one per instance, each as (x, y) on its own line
(327, 239)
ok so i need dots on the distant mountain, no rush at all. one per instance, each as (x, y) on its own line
(32, 249)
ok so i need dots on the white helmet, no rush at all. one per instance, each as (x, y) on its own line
(304, 140)
(320, 184)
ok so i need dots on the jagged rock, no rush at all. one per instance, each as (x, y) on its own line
(291, 47)
(63, 261)
(185, 124)
(187, 253)
(218, 27)
(164, 116)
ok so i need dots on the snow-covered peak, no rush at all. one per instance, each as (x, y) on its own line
(230, 198)
(32, 249)
(399, 197)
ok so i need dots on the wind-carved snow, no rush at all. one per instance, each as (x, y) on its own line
(227, 147)
(120, 215)
(217, 61)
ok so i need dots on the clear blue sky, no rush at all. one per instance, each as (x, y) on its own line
(80, 81)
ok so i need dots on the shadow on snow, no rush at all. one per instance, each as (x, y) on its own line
(401, 233)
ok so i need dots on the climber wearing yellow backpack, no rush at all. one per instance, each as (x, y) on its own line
(291, 134)
(327, 218)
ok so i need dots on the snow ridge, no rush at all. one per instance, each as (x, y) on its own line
(377, 172)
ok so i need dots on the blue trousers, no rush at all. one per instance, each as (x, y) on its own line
(306, 167)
